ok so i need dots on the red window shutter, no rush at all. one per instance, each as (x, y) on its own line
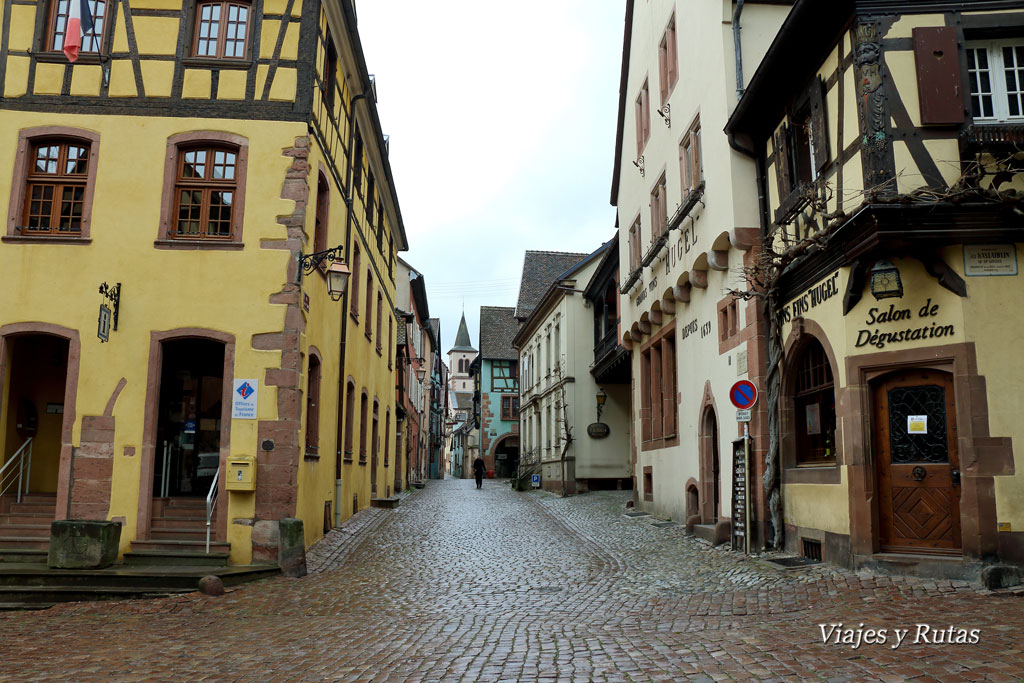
(782, 176)
(656, 393)
(939, 87)
(819, 123)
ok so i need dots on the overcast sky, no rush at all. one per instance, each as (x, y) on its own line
(501, 119)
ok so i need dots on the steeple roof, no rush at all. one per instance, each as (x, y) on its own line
(462, 342)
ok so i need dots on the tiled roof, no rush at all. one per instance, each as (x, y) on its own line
(540, 269)
(498, 326)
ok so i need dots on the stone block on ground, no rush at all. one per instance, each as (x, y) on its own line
(1001, 576)
(291, 554)
(211, 585)
(83, 544)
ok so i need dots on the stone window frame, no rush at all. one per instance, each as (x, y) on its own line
(19, 183)
(350, 418)
(793, 473)
(313, 392)
(175, 145)
(364, 417)
(655, 375)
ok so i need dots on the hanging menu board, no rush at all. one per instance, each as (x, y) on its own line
(739, 495)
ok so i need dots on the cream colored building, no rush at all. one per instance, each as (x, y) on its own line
(688, 224)
(558, 393)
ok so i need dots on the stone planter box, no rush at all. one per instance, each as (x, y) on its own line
(83, 544)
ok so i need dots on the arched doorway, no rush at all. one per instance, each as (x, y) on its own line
(710, 468)
(506, 457)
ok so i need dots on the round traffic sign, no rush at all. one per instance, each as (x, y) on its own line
(743, 394)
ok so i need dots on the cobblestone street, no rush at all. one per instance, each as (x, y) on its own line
(460, 584)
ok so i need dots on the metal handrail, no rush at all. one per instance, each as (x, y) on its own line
(22, 456)
(211, 502)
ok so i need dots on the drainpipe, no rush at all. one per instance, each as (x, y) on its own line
(340, 433)
(739, 48)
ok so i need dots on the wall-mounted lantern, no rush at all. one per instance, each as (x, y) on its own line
(601, 398)
(885, 280)
(337, 273)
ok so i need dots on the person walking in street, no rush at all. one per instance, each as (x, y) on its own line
(478, 471)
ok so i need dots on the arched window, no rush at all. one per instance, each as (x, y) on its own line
(313, 407)
(814, 407)
(323, 202)
(364, 409)
(369, 302)
(380, 320)
(60, 14)
(354, 305)
(387, 436)
(350, 414)
(222, 30)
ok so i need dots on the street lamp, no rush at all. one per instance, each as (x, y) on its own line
(601, 398)
(421, 373)
(337, 273)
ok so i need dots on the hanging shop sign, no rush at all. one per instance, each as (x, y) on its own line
(108, 314)
(244, 399)
(981, 260)
(598, 430)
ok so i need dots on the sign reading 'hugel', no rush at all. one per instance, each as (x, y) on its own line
(244, 399)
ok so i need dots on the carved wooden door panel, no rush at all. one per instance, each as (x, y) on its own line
(917, 462)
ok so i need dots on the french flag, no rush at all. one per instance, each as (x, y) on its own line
(79, 23)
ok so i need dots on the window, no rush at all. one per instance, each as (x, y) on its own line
(691, 164)
(996, 73)
(350, 416)
(204, 193)
(814, 404)
(634, 246)
(371, 186)
(728, 319)
(659, 209)
(375, 437)
(649, 483)
(354, 306)
(323, 201)
(364, 409)
(92, 41)
(558, 344)
(658, 392)
(391, 335)
(369, 302)
(330, 79)
(313, 407)
(668, 68)
(380, 319)
(222, 30)
(801, 147)
(357, 163)
(55, 188)
(380, 228)
(509, 407)
(503, 376)
(387, 436)
(643, 119)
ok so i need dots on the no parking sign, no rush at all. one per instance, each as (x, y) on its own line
(743, 394)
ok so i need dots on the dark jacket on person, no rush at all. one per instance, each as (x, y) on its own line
(478, 466)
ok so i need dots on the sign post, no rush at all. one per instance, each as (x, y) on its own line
(743, 395)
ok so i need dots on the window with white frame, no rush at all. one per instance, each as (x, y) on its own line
(996, 73)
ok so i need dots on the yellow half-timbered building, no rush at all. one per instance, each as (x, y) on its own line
(168, 353)
(887, 137)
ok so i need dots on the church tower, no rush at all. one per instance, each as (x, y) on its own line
(459, 358)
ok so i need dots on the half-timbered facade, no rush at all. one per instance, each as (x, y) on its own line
(888, 140)
(185, 162)
(687, 218)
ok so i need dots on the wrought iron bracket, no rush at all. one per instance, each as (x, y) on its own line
(310, 262)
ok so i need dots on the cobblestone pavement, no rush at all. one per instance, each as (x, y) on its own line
(493, 585)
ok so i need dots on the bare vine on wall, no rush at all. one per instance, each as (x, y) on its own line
(782, 248)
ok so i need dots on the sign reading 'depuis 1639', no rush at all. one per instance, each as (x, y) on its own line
(244, 399)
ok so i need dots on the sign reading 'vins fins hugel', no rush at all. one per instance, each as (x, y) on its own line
(815, 296)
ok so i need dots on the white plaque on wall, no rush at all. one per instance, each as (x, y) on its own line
(990, 259)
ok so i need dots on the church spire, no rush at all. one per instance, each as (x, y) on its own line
(462, 342)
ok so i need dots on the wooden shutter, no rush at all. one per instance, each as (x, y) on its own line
(782, 176)
(939, 88)
(819, 126)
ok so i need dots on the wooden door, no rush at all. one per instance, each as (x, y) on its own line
(917, 462)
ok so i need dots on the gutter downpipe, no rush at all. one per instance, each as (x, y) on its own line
(339, 437)
(738, 45)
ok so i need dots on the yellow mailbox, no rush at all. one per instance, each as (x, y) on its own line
(241, 474)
